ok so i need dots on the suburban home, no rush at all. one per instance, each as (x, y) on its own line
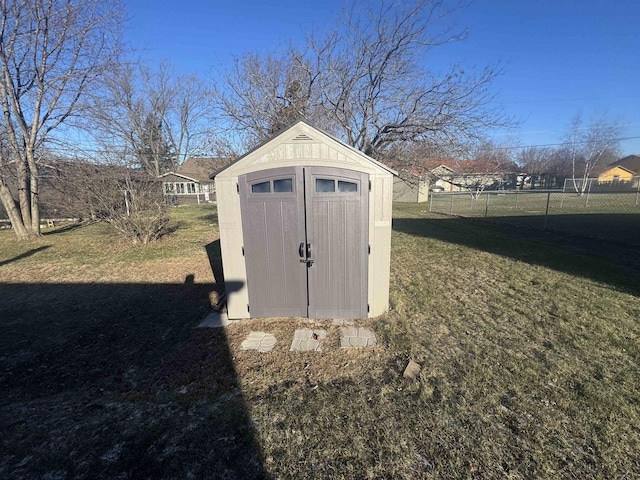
(452, 176)
(190, 184)
(626, 170)
(410, 187)
(441, 179)
(53, 197)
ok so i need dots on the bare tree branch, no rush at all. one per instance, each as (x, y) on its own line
(51, 51)
(589, 145)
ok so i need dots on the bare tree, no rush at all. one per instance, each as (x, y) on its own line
(486, 165)
(51, 52)
(260, 95)
(535, 160)
(588, 145)
(377, 84)
(367, 81)
(130, 200)
(159, 118)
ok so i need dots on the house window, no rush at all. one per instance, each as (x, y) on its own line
(616, 178)
(168, 188)
(191, 188)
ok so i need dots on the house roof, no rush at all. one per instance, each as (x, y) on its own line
(199, 169)
(597, 171)
(630, 163)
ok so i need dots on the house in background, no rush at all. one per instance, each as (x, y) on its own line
(624, 171)
(410, 187)
(452, 176)
(190, 183)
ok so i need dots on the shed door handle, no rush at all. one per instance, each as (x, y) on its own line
(308, 250)
(301, 250)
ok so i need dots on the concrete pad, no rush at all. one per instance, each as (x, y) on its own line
(259, 341)
(305, 340)
(216, 320)
(357, 337)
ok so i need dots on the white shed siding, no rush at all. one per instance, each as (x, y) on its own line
(319, 150)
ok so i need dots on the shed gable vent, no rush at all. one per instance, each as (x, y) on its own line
(302, 137)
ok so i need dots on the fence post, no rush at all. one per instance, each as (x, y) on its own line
(431, 201)
(516, 206)
(546, 212)
(451, 205)
(486, 206)
(638, 191)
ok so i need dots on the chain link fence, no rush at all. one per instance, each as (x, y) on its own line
(597, 211)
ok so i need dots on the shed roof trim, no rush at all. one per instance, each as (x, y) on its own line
(303, 131)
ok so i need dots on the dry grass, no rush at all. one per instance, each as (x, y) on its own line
(530, 361)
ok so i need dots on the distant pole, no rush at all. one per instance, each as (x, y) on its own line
(431, 201)
(486, 206)
(638, 191)
(516, 206)
(546, 212)
(451, 205)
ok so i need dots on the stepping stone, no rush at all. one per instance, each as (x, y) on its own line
(412, 371)
(357, 337)
(216, 320)
(260, 341)
(305, 340)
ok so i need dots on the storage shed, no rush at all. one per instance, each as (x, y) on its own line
(305, 229)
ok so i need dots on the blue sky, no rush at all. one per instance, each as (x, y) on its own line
(559, 56)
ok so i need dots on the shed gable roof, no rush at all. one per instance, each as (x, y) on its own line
(304, 142)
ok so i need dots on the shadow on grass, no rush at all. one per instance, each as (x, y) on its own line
(211, 217)
(479, 235)
(117, 378)
(623, 229)
(215, 261)
(172, 227)
(26, 254)
(67, 228)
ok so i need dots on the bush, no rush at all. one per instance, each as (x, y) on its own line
(130, 200)
(142, 226)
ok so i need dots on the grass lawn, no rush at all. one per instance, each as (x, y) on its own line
(614, 217)
(530, 361)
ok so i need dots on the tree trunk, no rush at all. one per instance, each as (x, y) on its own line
(35, 204)
(24, 195)
(13, 212)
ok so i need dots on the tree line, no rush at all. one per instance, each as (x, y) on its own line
(368, 81)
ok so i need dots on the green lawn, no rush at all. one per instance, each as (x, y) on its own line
(610, 216)
(530, 364)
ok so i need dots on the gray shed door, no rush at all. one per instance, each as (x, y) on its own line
(306, 242)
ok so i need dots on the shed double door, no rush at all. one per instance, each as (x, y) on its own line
(306, 242)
